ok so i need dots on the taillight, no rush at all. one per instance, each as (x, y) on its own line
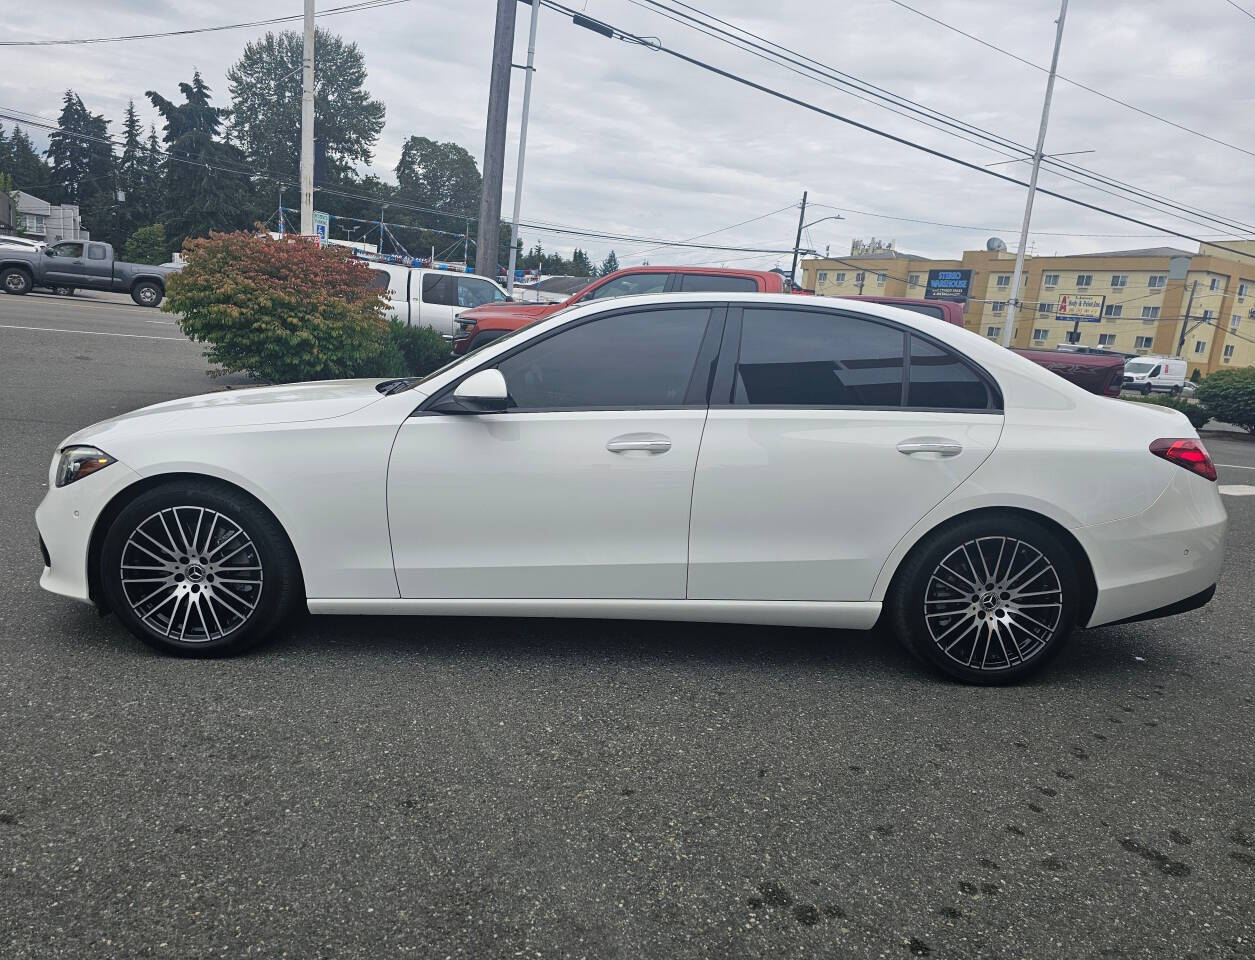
(1187, 453)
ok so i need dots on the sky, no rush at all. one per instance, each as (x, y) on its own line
(628, 140)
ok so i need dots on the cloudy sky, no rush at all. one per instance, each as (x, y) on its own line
(632, 141)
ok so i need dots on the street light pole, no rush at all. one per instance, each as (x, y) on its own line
(1009, 326)
(518, 176)
(797, 243)
(307, 124)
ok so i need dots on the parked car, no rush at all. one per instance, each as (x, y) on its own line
(430, 298)
(1100, 372)
(715, 457)
(485, 324)
(1149, 375)
(19, 243)
(86, 264)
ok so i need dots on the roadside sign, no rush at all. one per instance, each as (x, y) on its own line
(948, 284)
(322, 224)
(1080, 307)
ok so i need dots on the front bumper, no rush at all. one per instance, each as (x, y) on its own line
(66, 518)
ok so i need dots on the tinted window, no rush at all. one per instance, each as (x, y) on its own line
(941, 379)
(70, 250)
(378, 280)
(800, 358)
(927, 309)
(441, 290)
(713, 283)
(641, 359)
(631, 285)
(474, 292)
(95, 252)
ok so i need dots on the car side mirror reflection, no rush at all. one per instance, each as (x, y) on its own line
(482, 392)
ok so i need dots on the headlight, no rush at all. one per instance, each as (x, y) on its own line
(78, 462)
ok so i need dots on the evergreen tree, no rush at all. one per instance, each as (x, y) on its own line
(206, 181)
(131, 174)
(609, 265)
(581, 265)
(29, 171)
(83, 170)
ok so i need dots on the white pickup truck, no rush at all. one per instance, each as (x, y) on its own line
(430, 298)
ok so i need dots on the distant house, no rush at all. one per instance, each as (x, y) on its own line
(48, 221)
(6, 212)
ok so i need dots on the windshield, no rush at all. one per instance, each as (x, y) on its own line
(1139, 366)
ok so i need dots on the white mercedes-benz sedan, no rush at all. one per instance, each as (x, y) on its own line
(764, 459)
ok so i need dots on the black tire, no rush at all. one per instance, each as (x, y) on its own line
(932, 611)
(16, 281)
(1146, 390)
(1175, 391)
(63, 291)
(214, 615)
(147, 294)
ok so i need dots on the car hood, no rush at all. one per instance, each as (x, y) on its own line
(291, 403)
(525, 312)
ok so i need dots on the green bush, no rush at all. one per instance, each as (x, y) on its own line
(421, 349)
(1229, 396)
(147, 245)
(1196, 413)
(281, 310)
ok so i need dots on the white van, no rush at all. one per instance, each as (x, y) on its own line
(430, 298)
(1150, 374)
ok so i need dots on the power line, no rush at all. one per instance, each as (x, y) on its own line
(710, 233)
(1242, 9)
(780, 95)
(1076, 83)
(329, 12)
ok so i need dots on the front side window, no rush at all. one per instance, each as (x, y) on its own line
(475, 292)
(714, 283)
(940, 380)
(804, 358)
(440, 290)
(630, 285)
(70, 251)
(632, 361)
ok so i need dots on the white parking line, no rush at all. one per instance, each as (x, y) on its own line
(1234, 466)
(1237, 490)
(94, 333)
(159, 321)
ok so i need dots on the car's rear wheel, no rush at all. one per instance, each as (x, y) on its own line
(147, 294)
(198, 569)
(15, 280)
(987, 600)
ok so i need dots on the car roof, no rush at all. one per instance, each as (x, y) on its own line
(681, 268)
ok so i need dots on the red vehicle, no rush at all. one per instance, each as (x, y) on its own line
(1100, 373)
(484, 324)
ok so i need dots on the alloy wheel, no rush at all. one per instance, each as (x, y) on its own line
(191, 574)
(993, 603)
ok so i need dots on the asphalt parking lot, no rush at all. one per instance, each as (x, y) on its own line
(501, 788)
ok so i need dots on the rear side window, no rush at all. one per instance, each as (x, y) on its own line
(800, 358)
(95, 251)
(635, 360)
(475, 292)
(378, 280)
(714, 283)
(939, 379)
(440, 289)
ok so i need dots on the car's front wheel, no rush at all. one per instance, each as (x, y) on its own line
(987, 600)
(198, 569)
(15, 280)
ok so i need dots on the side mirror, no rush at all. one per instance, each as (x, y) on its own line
(482, 392)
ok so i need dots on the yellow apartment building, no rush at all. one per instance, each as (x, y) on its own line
(1146, 296)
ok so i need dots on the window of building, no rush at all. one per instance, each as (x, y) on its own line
(1002, 280)
(880, 279)
(823, 277)
(1050, 279)
(912, 279)
(839, 278)
(859, 277)
(1200, 346)
(1235, 321)
(939, 379)
(1046, 307)
(808, 358)
(1241, 290)
(1150, 313)
(1215, 284)
(1119, 280)
(998, 306)
(715, 283)
(1228, 352)
(1039, 333)
(1113, 310)
(1156, 280)
(1084, 279)
(1106, 339)
(993, 332)
(1143, 343)
(642, 359)
(1207, 314)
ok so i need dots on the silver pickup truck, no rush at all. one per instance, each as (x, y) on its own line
(81, 264)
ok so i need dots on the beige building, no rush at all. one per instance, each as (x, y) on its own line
(1146, 293)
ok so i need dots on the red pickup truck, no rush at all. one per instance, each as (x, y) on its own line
(480, 325)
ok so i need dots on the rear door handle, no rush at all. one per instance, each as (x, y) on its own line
(643, 442)
(945, 448)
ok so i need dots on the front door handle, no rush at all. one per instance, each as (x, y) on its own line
(941, 447)
(642, 442)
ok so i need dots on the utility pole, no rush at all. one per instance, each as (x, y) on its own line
(797, 243)
(518, 176)
(307, 124)
(1185, 321)
(382, 208)
(1009, 327)
(494, 141)
(280, 209)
